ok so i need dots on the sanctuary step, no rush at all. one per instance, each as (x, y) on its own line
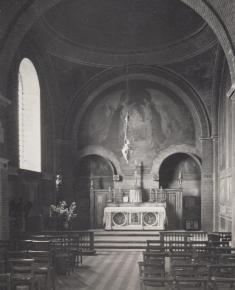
(123, 240)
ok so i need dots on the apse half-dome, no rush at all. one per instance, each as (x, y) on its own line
(124, 26)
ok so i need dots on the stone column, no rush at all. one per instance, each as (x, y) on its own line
(215, 140)
(207, 185)
(233, 169)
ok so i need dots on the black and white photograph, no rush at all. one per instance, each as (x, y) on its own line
(117, 144)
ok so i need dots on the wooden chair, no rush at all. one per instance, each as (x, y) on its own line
(154, 257)
(63, 258)
(192, 270)
(155, 246)
(151, 270)
(22, 273)
(5, 281)
(41, 245)
(75, 249)
(180, 257)
(221, 276)
(43, 267)
(190, 276)
(227, 258)
(11, 255)
(191, 283)
(155, 283)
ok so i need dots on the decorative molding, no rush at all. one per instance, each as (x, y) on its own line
(74, 52)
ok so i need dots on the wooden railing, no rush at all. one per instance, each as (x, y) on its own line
(85, 238)
(168, 237)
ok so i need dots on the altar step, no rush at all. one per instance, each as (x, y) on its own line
(123, 240)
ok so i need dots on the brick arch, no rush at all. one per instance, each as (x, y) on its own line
(33, 10)
(103, 152)
(174, 149)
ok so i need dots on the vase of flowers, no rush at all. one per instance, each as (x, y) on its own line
(63, 213)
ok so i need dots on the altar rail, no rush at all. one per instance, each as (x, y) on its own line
(85, 238)
(196, 236)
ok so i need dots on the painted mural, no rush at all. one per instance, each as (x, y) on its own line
(156, 121)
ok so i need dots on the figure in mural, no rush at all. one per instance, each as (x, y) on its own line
(153, 119)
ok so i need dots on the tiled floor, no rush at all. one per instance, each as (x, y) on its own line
(104, 271)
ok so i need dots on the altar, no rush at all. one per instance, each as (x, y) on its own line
(144, 216)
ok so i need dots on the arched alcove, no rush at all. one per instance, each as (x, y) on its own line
(93, 178)
(181, 170)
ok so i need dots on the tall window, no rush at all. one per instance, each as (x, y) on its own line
(29, 117)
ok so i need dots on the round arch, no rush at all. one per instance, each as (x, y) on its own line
(111, 77)
(33, 10)
(101, 151)
(174, 149)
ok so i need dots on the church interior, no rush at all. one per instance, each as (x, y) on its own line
(117, 136)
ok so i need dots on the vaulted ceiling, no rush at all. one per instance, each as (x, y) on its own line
(124, 26)
(117, 32)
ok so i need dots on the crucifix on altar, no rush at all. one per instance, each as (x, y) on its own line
(136, 192)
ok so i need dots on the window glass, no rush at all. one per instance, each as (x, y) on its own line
(29, 117)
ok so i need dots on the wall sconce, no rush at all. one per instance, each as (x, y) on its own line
(155, 177)
(116, 177)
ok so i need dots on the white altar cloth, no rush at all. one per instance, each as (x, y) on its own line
(135, 218)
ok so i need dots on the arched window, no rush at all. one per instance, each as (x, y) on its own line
(29, 117)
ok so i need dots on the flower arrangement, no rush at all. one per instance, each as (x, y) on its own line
(63, 210)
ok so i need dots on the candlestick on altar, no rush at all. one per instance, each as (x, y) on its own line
(110, 194)
(150, 195)
(114, 195)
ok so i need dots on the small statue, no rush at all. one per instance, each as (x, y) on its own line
(58, 182)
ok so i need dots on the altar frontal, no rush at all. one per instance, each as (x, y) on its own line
(146, 216)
